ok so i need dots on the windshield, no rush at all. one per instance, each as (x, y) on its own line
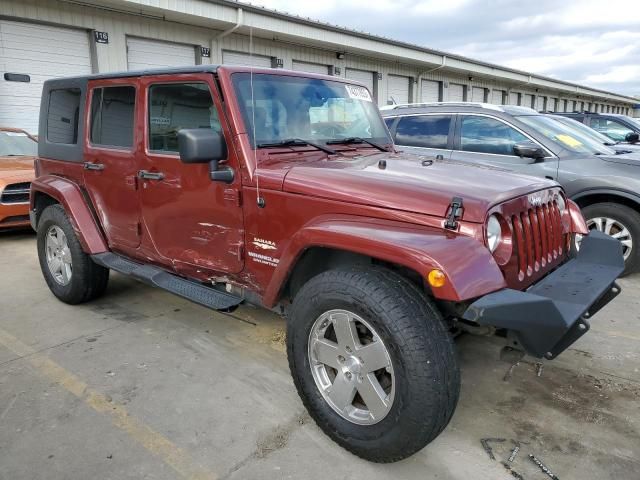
(17, 144)
(635, 121)
(567, 137)
(309, 109)
(590, 132)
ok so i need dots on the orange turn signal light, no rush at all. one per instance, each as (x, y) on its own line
(436, 278)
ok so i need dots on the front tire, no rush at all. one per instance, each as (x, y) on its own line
(620, 222)
(373, 362)
(69, 272)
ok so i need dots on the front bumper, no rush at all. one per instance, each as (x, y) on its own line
(553, 313)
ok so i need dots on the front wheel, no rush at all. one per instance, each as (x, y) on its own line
(372, 361)
(620, 222)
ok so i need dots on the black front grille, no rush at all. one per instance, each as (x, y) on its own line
(14, 219)
(16, 193)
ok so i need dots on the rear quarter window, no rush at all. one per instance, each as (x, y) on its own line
(63, 115)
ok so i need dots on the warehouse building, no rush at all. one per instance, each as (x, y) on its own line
(41, 39)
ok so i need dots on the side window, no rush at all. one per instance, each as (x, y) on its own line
(611, 128)
(112, 116)
(430, 131)
(63, 115)
(488, 135)
(389, 121)
(173, 107)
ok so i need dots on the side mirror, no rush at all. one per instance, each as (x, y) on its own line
(529, 150)
(204, 145)
(632, 137)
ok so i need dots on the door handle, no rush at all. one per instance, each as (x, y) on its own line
(150, 175)
(93, 166)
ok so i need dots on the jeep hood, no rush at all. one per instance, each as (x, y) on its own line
(401, 182)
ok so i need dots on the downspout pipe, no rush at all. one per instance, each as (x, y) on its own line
(422, 74)
(216, 40)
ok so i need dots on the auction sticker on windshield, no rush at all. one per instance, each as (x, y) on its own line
(569, 140)
(358, 93)
(15, 134)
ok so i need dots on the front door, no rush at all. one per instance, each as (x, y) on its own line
(488, 140)
(190, 222)
(110, 161)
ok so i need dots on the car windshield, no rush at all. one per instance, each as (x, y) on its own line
(567, 137)
(278, 108)
(590, 132)
(635, 121)
(17, 144)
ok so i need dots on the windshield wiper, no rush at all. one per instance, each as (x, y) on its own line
(357, 140)
(290, 142)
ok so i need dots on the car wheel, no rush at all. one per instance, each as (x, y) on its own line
(372, 361)
(69, 272)
(620, 222)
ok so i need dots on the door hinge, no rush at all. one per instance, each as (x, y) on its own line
(454, 212)
(233, 195)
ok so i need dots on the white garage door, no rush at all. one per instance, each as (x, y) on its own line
(540, 104)
(143, 54)
(551, 105)
(513, 98)
(397, 89)
(363, 76)
(430, 91)
(477, 94)
(238, 58)
(527, 101)
(497, 97)
(42, 52)
(456, 92)
(310, 67)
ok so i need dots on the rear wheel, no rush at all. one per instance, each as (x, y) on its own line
(620, 222)
(69, 272)
(372, 361)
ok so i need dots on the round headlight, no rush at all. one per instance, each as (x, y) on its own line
(562, 205)
(494, 233)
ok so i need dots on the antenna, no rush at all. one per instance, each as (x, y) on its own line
(259, 199)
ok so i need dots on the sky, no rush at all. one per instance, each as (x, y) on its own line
(591, 42)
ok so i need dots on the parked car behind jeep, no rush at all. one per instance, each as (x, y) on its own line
(17, 154)
(618, 147)
(606, 185)
(231, 185)
(620, 128)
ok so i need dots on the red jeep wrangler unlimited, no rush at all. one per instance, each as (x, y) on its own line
(227, 185)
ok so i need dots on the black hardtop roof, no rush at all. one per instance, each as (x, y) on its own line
(190, 69)
(143, 73)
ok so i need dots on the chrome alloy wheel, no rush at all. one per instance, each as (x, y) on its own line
(351, 367)
(612, 228)
(58, 255)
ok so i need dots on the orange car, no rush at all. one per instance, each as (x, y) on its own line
(17, 153)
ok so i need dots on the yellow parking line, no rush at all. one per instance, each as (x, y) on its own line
(153, 441)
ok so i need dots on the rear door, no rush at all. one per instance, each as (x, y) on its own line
(111, 165)
(490, 140)
(427, 134)
(190, 222)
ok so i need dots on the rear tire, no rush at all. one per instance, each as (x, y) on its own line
(69, 272)
(626, 222)
(422, 382)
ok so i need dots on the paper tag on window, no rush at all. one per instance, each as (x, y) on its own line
(15, 134)
(568, 140)
(358, 93)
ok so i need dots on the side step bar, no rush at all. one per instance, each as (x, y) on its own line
(156, 277)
